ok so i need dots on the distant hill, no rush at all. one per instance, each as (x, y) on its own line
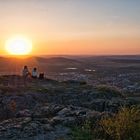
(56, 60)
(11, 65)
(14, 65)
(134, 61)
(57, 64)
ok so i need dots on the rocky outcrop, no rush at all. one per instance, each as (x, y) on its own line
(47, 109)
(50, 121)
(11, 105)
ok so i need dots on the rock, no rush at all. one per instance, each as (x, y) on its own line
(34, 125)
(48, 127)
(24, 113)
(69, 121)
(93, 115)
(26, 120)
(63, 120)
(65, 112)
(42, 120)
(57, 120)
(47, 111)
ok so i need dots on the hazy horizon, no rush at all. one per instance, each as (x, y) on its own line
(71, 55)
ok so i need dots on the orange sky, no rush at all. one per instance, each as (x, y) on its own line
(94, 46)
(73, 27)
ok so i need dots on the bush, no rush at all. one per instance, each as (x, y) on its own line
(83, 132)
(125, 125)
(109, 91)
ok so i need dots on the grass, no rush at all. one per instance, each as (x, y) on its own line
(9, 90)
(125, 125)
(83, 132)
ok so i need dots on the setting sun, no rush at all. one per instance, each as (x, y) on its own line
(18, 46)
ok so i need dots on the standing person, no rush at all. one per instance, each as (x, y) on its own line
(34, 73)
(25, 74)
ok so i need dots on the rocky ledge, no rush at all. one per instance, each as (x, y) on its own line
(47, 109)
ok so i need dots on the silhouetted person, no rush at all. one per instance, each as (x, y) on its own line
(34, 73)
(25, 74)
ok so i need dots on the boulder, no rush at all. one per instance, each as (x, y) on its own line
(24, 113)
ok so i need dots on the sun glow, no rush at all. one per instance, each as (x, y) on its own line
(18, 46)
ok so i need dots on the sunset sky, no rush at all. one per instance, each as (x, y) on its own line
(73, 26)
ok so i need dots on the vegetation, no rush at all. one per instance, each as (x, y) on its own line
(83, 132)
(109, 91)
(125, 125)
(7, 90)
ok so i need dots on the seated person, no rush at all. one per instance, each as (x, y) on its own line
(25, 72)
(34, 73)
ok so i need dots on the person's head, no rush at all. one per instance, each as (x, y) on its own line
(35, 69)
(25, 67)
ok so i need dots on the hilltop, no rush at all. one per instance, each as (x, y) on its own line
(46, 109)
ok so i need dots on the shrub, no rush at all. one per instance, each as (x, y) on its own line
(125, 125)
(83, 132)
(109, 91)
